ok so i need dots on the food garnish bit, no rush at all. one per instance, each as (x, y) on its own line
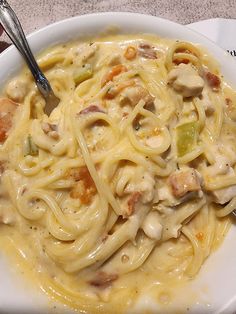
(115, 70)
(131, 96)
(185, 80)
(130, 53)
(184, 181)
(222, 196)
(213, 81)
(17, 89)
(7, 111)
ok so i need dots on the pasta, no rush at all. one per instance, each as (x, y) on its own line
(130, 181)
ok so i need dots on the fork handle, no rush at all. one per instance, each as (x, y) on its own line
(13, 28)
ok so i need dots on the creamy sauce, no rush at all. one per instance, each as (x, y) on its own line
(113, 196)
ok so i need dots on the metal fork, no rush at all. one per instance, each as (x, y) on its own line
(14, 30)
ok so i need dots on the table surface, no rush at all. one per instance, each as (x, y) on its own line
(35, 14)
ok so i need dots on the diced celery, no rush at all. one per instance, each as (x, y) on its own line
(83, 73)
(187, 135)
(30, 148)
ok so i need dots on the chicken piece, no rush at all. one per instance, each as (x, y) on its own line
(131, 96)
(184, 181)
(152, 226)
(7, 111)
(222, 196)
(86, 51)
(185, 80)
(145, 185)
(17, 89)
(103, 280)
(154, 141)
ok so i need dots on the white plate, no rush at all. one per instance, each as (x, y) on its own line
(215, 286)
(221, 31)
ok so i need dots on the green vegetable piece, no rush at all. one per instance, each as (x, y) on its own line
(82, 74)
(30, 148)
(187, 135)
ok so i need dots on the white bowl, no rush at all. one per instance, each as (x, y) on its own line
(215, 286)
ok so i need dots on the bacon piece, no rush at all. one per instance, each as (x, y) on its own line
(130, 53)
(115, 70)
(84, 188)
(146, 51)
(103, 280)
(134, 199)
(178, 61)
(91, 108)
(213, 80)
(184, 50)
(184, 181)
(7, 111)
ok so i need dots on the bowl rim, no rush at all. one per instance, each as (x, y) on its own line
(218, 52)
(130, 19)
